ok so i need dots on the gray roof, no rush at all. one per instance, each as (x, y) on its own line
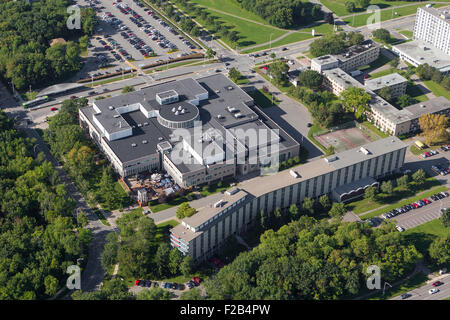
(441, 14)
(422, 52)
(430, 106)
(342, 78)
(385, 81)
(355, 50)
(58, 88)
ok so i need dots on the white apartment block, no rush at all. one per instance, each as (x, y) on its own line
(433, 27)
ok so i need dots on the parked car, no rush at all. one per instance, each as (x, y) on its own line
(53, 108)
(426, 200)
(437, 283)
(400, 229)
(433, 291)
(137, 282)
(405, 295)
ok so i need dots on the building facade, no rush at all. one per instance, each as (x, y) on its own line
(433, 27)
(342, 176)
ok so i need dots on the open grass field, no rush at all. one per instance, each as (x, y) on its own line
(229, 6)
(361, 20)
(422, 236)
(406, 33)
(437, 89)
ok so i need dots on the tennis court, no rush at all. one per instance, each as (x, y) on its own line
(344, 139)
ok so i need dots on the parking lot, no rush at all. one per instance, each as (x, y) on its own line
(175, 288)
(408, 218)
(129, 31)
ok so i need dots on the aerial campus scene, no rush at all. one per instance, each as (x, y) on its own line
(224, 150)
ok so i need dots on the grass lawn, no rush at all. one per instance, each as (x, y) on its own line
(422, 236)
(338, 6)
(316, 130)
(372, 127)
(262, 99)
(118, 78)
(242, 80)
(382, 73)
(437, 89)
(398, 204)
(361, 20)
(293, 37)
(215, 188)
(229, 6)
(249, 33)
(162, 230)
(406, 33)
(174, 65)
(156, 207)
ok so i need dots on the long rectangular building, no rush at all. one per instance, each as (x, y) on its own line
(343, 176)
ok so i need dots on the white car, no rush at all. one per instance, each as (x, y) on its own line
(433, 291)
(400, 229)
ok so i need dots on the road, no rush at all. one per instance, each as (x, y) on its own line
(421, 293)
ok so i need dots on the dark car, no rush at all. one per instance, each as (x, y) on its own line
(180, 286)
(309, 125)
(405, 295)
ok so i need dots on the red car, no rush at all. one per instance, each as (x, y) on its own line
(437, 283)
(137, 282)
(366, 77)
(196, 280)
(73, 97)
(426, 201)
(415, 205)
(53, 108)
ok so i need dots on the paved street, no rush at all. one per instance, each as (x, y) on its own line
(421, 293)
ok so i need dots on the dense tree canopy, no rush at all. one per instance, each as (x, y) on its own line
(37, 230)
(26, 57)
(307, 259)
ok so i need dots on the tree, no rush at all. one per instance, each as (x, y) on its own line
(363, 3)
(193, 294)
(187, 266)
(350, 6)
(434, 128)
(51, 285)
(403, 181)
(440, 251)
(394, 63)
(355, 38)
(210, 53)
(445, 218)
(175, 260)
(386, 187)
(127, 89)
(382, 34)
(405, 100)
(337, 210)
(356, 100)
(325, 202)
(308, 205)
(419, 177)
(185, 210)
(263, 219)
(328, 17)
(385, 93)
(371, 193)
(154, 293)
(329, 44)
(162, 259)
(310, 78)
(234, 74)
(107, 192)
(293, 210)
(278, 70)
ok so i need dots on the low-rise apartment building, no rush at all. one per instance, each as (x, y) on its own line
(395, 82)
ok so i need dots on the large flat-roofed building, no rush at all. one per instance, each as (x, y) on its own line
(337, 80)
(433, 27)
(350, 59)
(393, 81)
(195, 129)
(419, 52)
(343, 176)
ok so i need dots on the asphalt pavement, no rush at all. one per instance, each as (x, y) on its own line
(422, 293)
